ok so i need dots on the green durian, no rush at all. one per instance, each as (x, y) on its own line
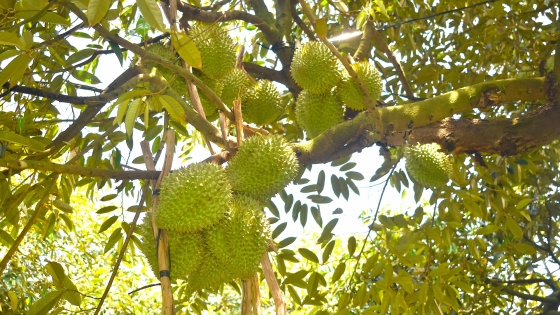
(193, 198)
(216, 48)
(240, 241)
(427, 165)
(210, 275)
(186, 250)
(262, 166)
(316, 113)
(349, 91)
(315, 68)
(262, 104)
(235, 84)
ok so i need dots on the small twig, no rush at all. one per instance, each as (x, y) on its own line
(275, 291)
(145, 287)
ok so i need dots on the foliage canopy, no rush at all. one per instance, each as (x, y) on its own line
(477, 78)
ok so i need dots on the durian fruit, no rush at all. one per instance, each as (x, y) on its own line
(216, 48)
(193, 198)
(316, 113)
(349, 91)
(176, 82)
(262, 104)
(315, 68)
(235, 84)
(240, 241)
(262, 166)
(186, 250)
(210, 274)
(427, 165)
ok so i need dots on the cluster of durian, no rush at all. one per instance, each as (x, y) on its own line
(261, 102)
(327, 87)
(427, 165)
(216, 225)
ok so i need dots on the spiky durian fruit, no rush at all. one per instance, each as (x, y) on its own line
(186, 250)
(210, 274)
(427, 165)
(315, 68)
(193, 198)
(262, 166)
(240, 241)
(235, 84)
(349, 91)
(262, 104)
(316, 113)
(216, 48)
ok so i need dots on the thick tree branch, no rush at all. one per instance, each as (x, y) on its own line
(499, 136)
(197, 14)
(78, 170)
(272, 75)
(300, 22)
(89, 113)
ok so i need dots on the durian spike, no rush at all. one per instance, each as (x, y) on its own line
(161, 237)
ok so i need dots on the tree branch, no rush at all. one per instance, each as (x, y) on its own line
(510, 291)
(77, 170)
(380, 43)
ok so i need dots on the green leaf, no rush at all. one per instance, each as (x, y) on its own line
(285, 242)
(354, 175)
(327, 251)
(113, 239)
(85, 76)
(97, 10)
(347, 166)
(489, 229)
(131, 115)
(142, 27)
(5, 238)
(321, 27)
(186, 49)
(341, 161)
(46, 303)
(294, 294)
(316, 213)
(10, 39)
(288, 203)
(279, 229)
(514, 227)
(108, 197)
(320, 182)
(303, 215)
(309, 188)
(21, 140)
(319, 199)
(343, 185)
(523, 203)
(441, 270)
(273, 209)
(151, 13)
(173, 107)
(117, 50)
(106, 209)
(351, 245)
(107, 224)
(338, 272)
(335, 185)
(312, 284)
(353, 186)
(14, 71)
(309, 255)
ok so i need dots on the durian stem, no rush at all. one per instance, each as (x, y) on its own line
(256, 294)
(246, 298)
(160, 236)
(277, 294)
